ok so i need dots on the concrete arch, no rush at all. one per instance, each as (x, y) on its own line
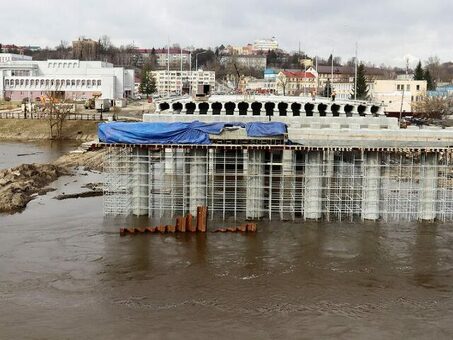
(348, 109)
(203, 107)
(256, 108)
(243, 107)
(216, 108)
(229, 108)
(361, 110)
(177, 107)
(296, 107)
(269, 107)
(335, 110)
(374, 109)
(164, 106)
(282, 109)
(322, 108)
(309, 107)
(190, 108)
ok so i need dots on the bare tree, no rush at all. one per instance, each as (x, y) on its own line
(56, 113)
(282, 81)
(434, 107)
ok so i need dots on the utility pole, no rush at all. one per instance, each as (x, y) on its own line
(355, 73)
(190, 73)
(180, 58)
(168, 68)
(331, 75)
(404, 86)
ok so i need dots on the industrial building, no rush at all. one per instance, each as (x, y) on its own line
(72, 79)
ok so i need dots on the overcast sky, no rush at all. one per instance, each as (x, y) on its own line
(387, 31)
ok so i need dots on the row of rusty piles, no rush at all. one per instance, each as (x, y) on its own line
(183, 224)
(247, 227)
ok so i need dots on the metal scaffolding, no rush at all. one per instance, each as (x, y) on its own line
(283, 183)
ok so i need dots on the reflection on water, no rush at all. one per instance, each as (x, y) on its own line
(65, 272)
(15, 153)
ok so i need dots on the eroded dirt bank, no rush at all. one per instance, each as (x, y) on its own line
(19, 185)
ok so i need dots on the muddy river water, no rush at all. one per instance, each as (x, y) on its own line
(65, 273)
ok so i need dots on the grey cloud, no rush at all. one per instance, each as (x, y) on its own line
(385, 30)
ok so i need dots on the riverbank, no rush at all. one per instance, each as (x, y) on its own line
(19, 185)
(26, 130)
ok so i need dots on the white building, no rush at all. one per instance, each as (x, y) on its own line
(252, 61)
(397, 94)
(72, 79)
(173, 82)
(5, 57)
(265, 44)
(402, 91)
(265, 86)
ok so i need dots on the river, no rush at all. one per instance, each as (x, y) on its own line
(65, 273)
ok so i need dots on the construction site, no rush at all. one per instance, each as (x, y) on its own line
(283, 172)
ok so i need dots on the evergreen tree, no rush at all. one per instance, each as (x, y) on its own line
(329, 61)
(418, 73)
(327, 91)
(148, 83)
(362, 87)
(429, 81)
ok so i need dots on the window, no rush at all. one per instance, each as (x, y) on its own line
(418, 87)
(73, 82)
(7, 82)
(99, 83)
(68, 82)
(47, 82)
(78, 82)
(89, 83)
(52, 82)
(408, 87)
(83, 82)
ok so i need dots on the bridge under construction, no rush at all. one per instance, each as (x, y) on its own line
(370, 172)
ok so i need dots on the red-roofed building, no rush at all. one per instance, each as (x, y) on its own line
(295, 83)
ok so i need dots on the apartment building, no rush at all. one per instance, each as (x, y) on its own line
(295, 83)
(178, 82)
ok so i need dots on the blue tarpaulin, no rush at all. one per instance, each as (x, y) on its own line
(179, 133)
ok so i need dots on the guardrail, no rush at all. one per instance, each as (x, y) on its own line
(42, 115)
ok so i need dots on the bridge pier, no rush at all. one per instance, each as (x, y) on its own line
(254, 174)
(140, 189)
(428, 186)
(288, 186)
(313, 186)
(197, 180)
(371, 185)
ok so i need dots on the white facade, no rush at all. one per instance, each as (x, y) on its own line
(398, 94)
(172, 82)
(253, 61)
(265, 44)
(74, 79)
(5, 57)
(262, 85)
